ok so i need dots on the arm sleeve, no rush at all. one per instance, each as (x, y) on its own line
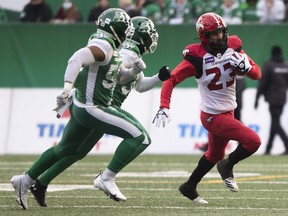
(182, 71)
(82, 57)
(125, 75)
(146, 83)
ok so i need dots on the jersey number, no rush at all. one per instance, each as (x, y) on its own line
(213, 84)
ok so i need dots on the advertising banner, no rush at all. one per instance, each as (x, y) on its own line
(29, 126)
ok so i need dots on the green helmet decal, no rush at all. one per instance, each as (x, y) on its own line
(145, 34)
(116, 23)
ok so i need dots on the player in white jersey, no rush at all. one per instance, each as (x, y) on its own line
(78, 146)
(214, 63)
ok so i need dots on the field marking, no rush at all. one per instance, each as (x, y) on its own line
(197, 207)
(240, 177)
(249, 179)
(67, 187)
(172, 174)
(157, 197)
(141, 164)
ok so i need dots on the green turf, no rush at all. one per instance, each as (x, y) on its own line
(263, 183)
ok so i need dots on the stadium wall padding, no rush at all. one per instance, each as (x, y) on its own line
(35, 55)
(29, 126)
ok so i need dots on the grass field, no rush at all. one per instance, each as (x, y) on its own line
(151, 185)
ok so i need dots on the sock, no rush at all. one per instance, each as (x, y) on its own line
(237, 155)
(204, 166)
(108, 175)
(27, 180)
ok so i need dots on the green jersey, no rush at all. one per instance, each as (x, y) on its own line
(95, 83)
(129, 53)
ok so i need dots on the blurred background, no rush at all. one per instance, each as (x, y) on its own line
(37, 37)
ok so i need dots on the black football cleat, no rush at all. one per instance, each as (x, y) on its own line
(227, 176)
(189, 191)
(38, 190)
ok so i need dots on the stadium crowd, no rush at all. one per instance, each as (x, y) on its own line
(171, 12)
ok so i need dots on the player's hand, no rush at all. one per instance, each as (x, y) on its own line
(162, 117)
(164, 73)
(240, 61)
(63, 98)
(138, 66)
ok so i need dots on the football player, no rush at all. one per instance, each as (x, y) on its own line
(214, 63)
(92, 113)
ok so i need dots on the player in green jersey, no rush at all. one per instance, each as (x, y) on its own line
(126, 152)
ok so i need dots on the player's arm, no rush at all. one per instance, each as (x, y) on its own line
(255, 71)
(82, 57)
(146, 83)
(127, 74)
(182, 71)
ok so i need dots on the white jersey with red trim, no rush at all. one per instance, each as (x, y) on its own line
(215, 77)
(217, 84)
(213, 73)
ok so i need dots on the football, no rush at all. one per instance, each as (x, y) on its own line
(237, 72)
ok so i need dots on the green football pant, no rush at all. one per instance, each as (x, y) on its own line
(78, 140)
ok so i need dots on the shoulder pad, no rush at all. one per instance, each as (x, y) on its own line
(193, 50)
(234, 42)
(131, 46)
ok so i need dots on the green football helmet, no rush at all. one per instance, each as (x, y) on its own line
(145, 34)
(116, 23)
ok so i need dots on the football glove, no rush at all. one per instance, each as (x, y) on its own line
(64, 96)
(138, 66)
(240, 61)
(164, 73)
(162, 117)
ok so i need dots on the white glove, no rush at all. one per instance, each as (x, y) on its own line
(138, 66)
(162, 117)
(240, 61)
(64, 96)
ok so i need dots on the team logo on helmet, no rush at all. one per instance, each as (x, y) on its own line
(121, 17)
(199, 25)
(185, 52)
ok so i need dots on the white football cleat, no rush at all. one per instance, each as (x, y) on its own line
(199, 200)
(231, 184)
(21, 190)
(109, 188)
(227, 176)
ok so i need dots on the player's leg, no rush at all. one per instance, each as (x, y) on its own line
(206, 163)
(124, 154)
(112, 121)
(134, 149)
(73, 134)
(39, 187)
(232, 129)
